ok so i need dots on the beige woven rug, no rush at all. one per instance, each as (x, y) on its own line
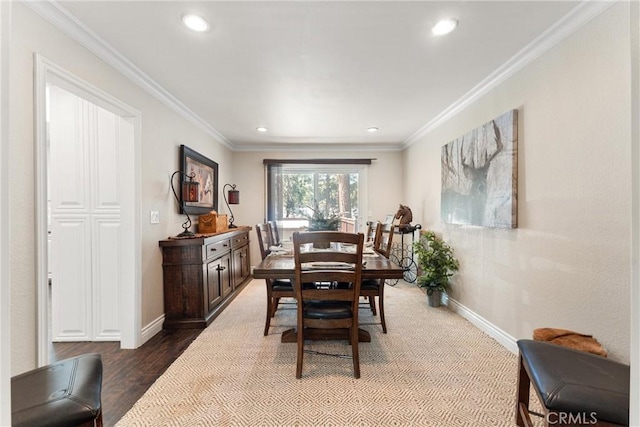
(432, 368)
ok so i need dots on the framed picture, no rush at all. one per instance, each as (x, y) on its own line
(206, 174)
(480, 173)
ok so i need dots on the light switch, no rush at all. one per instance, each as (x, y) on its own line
(154, 217)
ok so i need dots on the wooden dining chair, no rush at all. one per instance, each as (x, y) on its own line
(384, 239)
(332, 307)
(370, 234)
(275, 234)
(278, 288)
(372, 288)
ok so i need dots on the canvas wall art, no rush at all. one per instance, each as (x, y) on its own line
(479, 175)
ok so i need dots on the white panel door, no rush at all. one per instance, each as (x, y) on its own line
(84, 183)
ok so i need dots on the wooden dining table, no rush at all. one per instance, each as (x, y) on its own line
(282, 266)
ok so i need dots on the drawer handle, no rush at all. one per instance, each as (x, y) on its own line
(213, 249)
(220, 268)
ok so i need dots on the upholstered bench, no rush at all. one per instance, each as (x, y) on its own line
(574, 387)
(63, 394)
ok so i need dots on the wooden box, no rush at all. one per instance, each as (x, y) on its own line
(212, 223)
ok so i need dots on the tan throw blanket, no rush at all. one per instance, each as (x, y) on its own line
(570, 339)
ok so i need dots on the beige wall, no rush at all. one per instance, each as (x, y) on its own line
(163, 130)
(384, 184)
(567, 264)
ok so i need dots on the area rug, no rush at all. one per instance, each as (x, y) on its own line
(432, 368)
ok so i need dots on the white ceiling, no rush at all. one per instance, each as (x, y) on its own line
(318, 72)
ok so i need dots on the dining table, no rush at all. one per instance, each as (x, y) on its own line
(279, 264)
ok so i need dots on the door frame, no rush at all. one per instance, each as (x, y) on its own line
(5, 282)
(130, 290)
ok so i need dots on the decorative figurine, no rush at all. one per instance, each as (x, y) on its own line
(405, 216)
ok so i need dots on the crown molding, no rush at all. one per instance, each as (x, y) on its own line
(69, 24)
(584, 12)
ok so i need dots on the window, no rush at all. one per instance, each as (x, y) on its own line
(301, 196)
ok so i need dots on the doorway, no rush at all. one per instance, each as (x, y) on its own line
(96, 253)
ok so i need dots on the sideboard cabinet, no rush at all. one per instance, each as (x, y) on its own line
(202, 275)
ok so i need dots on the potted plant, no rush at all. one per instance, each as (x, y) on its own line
(320, 220)
(437, 265)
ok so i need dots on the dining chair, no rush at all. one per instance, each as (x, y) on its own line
(332, 307)
(370, 234)
(278, 288)
(384, 239)
(275, 234)
(372, 288)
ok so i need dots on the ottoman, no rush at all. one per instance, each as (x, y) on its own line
(574, 387)
(65, 393)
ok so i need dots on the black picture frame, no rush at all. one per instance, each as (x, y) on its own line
(206, 174)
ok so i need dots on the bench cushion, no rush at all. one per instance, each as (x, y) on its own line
(64, 393)
(574, 381)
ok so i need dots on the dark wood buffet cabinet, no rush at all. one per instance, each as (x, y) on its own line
(202, 275)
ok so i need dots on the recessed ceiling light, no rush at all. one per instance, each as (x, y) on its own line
(261, 129)
(195, 22)
(372, 129)
(444, 26)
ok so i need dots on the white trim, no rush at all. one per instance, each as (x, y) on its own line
(130, 303)
(152, 329)
(69, 24)
(634, 357)
(579, 16)
(506, 340)
(5, 282)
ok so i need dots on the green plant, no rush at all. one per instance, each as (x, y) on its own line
(320, 220)
(436, 262)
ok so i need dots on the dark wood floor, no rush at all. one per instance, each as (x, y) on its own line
(127, 374)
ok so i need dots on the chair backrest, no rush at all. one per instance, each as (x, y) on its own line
(264, 239)
(340, 263)
(370, 234)
(384, 239)
(275, 235)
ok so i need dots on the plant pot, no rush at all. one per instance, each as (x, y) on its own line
(434, 299)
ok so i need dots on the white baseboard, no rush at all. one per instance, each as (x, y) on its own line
(483, 324)
(151, 329)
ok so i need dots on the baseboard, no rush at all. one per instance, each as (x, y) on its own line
(151, 329)
(483, 324)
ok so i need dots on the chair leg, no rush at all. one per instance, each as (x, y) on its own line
(372, 304)
(300, 342)
(267, 322)
(355, 354)
(522, 396)
(276, 302)
(383, 322)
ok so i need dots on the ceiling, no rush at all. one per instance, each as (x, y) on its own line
(318, 72)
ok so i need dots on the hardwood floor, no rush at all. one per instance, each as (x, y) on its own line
(127, 374)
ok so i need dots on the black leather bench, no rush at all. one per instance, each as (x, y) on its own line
(574, 387)
(63, 394)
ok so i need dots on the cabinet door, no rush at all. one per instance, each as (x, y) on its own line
(214, 283)
(225, 275)
(240, 265)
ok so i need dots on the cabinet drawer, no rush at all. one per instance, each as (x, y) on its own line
(240, 240)
(218, 248)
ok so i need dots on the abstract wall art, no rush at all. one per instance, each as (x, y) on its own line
(479, 175)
